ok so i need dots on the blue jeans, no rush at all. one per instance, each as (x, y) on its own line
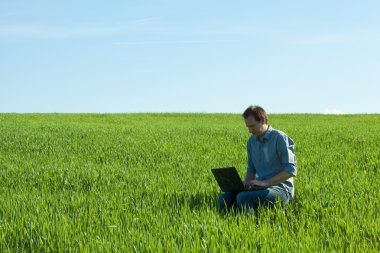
(253, 198)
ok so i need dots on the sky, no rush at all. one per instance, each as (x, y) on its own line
(189, 56)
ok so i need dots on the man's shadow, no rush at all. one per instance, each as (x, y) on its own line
(209, 201)
(194, 200)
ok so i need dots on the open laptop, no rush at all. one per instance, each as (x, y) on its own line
(228, 179)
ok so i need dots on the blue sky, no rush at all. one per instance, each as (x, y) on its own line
(189, 56)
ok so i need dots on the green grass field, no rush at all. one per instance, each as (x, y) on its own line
(142, 183)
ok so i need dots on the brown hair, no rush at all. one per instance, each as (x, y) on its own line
(257, 112)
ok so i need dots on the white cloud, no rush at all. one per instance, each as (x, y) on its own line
(333, 111)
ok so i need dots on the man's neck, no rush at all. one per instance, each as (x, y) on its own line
(265, 129)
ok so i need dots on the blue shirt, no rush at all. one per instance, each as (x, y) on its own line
(271, 155)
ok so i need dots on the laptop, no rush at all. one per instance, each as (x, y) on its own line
(228, 179)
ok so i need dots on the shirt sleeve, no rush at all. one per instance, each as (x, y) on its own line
(251, 166)
(285, 148)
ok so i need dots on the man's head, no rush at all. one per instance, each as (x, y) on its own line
(256, 120)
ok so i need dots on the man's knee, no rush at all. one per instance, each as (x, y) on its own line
(241, 198)
(226, 200)
(222, 201)
(246, 200)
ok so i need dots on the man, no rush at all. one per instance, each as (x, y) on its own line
(271, 165)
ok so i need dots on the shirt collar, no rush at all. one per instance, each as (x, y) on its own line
(266, 134)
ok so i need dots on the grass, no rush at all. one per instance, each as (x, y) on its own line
(142, 183)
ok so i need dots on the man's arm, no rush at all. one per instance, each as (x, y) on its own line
(249, 176)
(277, 179)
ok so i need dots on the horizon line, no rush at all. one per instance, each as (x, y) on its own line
(190, 112)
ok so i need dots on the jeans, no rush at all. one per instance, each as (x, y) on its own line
(254, 198)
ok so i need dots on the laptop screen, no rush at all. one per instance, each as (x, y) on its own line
(228, 179)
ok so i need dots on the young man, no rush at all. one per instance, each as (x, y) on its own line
(271, 165)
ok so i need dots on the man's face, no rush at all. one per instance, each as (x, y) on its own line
(254, 127)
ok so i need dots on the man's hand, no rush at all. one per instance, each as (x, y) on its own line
(277, 179)
(249, 176)
(251, 184)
